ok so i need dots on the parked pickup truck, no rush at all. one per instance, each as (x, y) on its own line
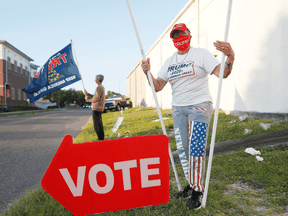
(116, 102)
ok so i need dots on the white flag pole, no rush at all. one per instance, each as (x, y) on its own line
(74, 53)
(154, 94)
(216, 108)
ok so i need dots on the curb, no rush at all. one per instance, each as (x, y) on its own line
(279, 116)
(276, 140)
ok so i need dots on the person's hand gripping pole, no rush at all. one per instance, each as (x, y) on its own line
(154, 93)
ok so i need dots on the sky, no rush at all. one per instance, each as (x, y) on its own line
(101, 30)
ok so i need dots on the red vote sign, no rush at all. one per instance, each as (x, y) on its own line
(110, 175)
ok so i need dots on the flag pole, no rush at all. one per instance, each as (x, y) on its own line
(154, 94)
(216, 108)
(77, 63)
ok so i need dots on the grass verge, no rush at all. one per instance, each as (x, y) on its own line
(239, 184)
(17, 114)
(2, 114)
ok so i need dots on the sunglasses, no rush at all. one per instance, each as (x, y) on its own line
(177, 33)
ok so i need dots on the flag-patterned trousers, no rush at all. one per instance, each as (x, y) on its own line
(191, 124)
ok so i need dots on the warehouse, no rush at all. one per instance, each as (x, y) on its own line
(258, 34)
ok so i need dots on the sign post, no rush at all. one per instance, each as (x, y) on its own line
(117, 124)
(216, 109)
(154, 93)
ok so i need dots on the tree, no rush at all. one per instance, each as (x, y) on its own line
(80, 98)
(111, 93)
(62, 97)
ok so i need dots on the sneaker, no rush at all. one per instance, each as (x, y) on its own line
(196, 200)
(187, 192)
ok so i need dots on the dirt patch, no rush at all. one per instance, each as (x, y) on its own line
(242, 186)
(253, 200)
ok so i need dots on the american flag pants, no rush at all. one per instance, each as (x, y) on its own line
(191, 132)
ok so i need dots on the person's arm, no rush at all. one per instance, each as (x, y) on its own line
(228, 51)
(98, 95)
(158, 83)
(87, 94)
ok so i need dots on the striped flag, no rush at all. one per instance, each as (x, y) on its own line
(198, 136)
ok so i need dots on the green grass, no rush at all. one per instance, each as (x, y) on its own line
(266, 183)
(2, 114)
(137, 122)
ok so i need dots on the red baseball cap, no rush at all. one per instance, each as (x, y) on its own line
(179, 26)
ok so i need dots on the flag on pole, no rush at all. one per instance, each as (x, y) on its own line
(59, 71)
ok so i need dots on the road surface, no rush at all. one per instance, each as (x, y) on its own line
(27, 145)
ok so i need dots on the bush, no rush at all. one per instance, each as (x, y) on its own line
(52, 107)
(22, 108)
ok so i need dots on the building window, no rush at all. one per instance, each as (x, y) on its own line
(8, 91)
(9, 62)
(19, 94)
(15, 66)
(24, 96)
(13, 93)
(21, 69)
(26, 70)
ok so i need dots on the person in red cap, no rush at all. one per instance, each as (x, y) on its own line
(187, 71)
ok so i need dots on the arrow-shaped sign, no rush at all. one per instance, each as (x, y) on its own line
(110, 175)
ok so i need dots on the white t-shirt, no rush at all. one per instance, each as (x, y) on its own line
(188, 76)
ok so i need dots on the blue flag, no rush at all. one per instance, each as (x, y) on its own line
(59, 71)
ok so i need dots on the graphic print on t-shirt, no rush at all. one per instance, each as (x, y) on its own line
(181, 70)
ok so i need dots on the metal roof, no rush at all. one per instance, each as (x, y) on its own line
(34, 66)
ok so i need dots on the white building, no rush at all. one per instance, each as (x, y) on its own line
(258, 34)
(33, 70)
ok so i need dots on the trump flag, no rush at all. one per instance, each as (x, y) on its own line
(59, 71)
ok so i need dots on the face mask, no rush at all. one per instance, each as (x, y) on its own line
(182, 42)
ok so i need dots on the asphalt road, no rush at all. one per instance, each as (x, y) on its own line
(27, 146)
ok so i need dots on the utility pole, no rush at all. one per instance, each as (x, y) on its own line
(119, 86)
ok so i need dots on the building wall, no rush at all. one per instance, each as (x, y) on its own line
(33, 72)
(136, 87)
(17, 80)
(258, 35)
(13, 56)
(1, 82)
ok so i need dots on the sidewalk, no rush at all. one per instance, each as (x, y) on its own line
(277, 139)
